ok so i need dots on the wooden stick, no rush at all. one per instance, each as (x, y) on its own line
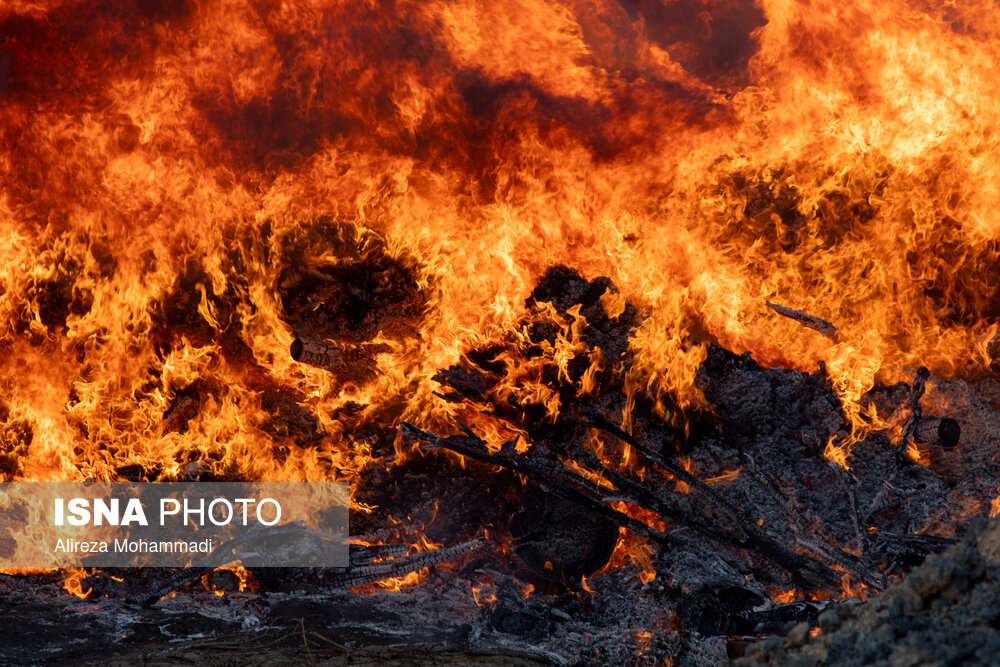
(467, 446)
(397, 567)
(225, 554)
(800, 566)
(745, 536)
(852, 497)
(913, 403)
(363, 555)
(805, 319)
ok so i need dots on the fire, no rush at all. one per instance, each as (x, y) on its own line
(685, 462)
(422, 544)
(785, 596)
(724, 478)
(634, 550)
(484, 595)
(73, 583)
(188, 190)
(398, 583)
(837, 453)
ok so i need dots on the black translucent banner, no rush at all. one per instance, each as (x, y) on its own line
(266, 524)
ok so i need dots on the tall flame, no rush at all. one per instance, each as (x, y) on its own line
(173, 172)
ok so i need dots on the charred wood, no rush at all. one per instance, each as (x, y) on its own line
(169, 585)
(737, 611)
(913, 403)
(365, 554)
(397, 567)
(184, 408)
(560, 540)
(909, 426)
(583, 492)
(363, 569)
(807, 570)
(807, 320)
(348, 362)
(226, 553)
(319, 353)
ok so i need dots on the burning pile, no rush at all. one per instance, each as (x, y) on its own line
(532, 277)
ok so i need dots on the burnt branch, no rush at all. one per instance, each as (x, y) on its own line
(597, 497)
(807, 320)
(319, 353)
(361, 554)
(909, 427)
(913, 403)
(225, 554)
(397, 567)
(169, 585)
(582, 492)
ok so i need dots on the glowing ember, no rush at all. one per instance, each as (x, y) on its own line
(73, 582)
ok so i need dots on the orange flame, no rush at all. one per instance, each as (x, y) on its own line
(73, 583)
(188, 187)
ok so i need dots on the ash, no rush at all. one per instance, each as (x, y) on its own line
(943, 612)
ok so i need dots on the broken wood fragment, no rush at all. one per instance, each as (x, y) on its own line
(850, 488)
(169, 585)
(361, 554)
(909, 426)
(913, 403)
(560, 540)
(225, 554)
(362, 569)
(805, 319)
(397, 567)
(349, 362)
(576, 490)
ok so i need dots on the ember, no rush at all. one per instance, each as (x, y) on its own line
(640, 330)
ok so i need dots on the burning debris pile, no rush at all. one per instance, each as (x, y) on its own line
(589, 541)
